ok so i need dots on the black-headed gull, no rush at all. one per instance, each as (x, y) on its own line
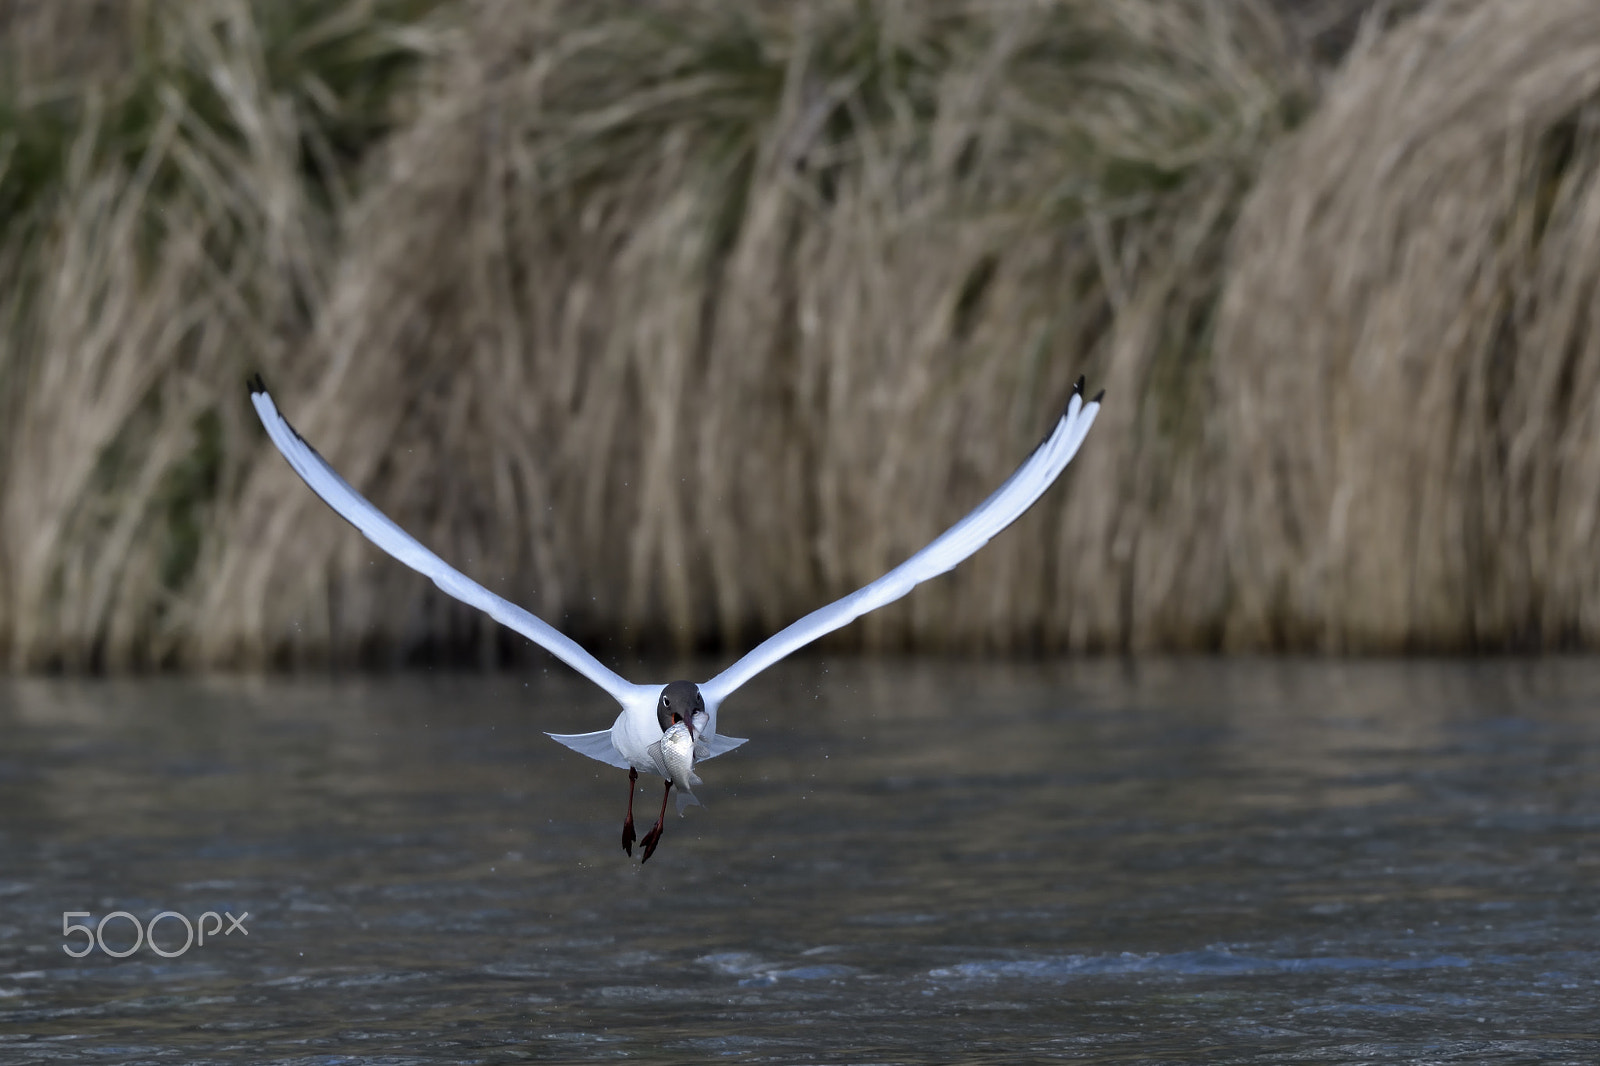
(665, 729)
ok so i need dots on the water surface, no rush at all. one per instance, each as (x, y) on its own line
(1171, 861)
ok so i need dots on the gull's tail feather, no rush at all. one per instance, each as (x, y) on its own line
(596, 745)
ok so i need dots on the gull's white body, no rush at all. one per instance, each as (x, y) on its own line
(627, 744)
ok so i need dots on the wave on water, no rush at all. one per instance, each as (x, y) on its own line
(1208, 962)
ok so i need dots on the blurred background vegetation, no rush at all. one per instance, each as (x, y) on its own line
(674, 320)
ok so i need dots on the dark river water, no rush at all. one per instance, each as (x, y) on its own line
(1102, 861)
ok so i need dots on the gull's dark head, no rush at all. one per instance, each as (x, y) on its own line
(680, 701)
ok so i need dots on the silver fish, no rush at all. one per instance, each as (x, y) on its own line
(675, 755)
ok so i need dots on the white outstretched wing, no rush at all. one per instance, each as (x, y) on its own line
(595, 745)
(378, 528)
(991, 516)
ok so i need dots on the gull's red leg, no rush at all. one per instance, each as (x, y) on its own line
(652, 838)
(627, 824)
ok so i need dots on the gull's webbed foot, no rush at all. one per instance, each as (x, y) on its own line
(651, 839)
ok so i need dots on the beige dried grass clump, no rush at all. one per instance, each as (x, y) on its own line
(674, 321)
(1409, 348)
(170, 174)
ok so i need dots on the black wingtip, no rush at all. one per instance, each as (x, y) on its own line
(1077, 390)
(255, 384)
(1099, 396)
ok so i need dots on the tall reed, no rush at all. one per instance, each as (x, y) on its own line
(676, 320)
(172, 183)
(1410, 334)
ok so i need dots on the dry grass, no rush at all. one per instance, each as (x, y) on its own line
(171, 199)
(675, 320)
(1410, 325)
(701, 314)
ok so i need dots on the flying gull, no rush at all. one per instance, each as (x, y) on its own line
(666, 729)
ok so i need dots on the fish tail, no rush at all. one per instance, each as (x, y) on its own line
(687, 798)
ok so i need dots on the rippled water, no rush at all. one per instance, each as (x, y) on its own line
(1186, 861)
